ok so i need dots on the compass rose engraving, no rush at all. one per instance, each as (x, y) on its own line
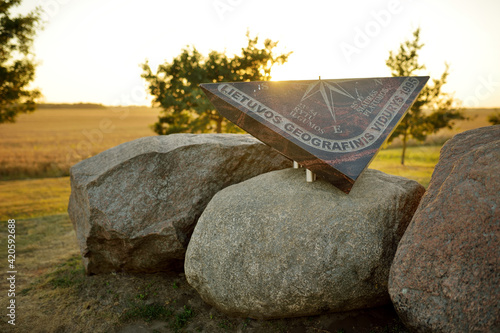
(295, 118)
(326, 90)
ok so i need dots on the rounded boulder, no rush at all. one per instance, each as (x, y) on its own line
(275, 246)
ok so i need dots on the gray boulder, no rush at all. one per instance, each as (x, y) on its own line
(446, 272)
(135, 206)
(275, 246)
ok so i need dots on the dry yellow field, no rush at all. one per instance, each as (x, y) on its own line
(477, 118)
(47, 142)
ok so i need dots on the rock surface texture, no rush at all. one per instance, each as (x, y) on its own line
(135, 206)
(275, 246)
(446, 272)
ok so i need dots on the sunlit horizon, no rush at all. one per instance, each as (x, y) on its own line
(91, 51)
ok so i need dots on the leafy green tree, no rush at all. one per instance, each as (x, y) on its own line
(17, 68)
(494, 118)
(175, 86)
(434, 109)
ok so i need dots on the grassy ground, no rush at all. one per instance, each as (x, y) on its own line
(419, 162)
(30, 198)
(53, 294)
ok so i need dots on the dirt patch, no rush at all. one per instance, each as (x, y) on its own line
(66, 300)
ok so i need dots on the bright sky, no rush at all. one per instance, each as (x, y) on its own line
(90, 50)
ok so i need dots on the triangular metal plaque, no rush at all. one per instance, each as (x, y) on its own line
(331, 127)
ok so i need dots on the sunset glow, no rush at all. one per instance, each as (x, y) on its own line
(90, 51)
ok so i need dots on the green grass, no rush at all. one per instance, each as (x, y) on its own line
(182, 318)
(24, 199)
(32, 232)
(225, 324)
(67, 274)
(150, 312)
(146, 312)
(42, 244)
(419, 162)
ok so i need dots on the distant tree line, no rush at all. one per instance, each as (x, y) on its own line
(71, 106)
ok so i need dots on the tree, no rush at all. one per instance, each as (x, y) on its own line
(494, 118)
(175, 86)
(17, 68)
(434, 109)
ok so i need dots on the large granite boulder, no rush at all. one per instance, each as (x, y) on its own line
(275, 246)
(135, 206)
(446, 272)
